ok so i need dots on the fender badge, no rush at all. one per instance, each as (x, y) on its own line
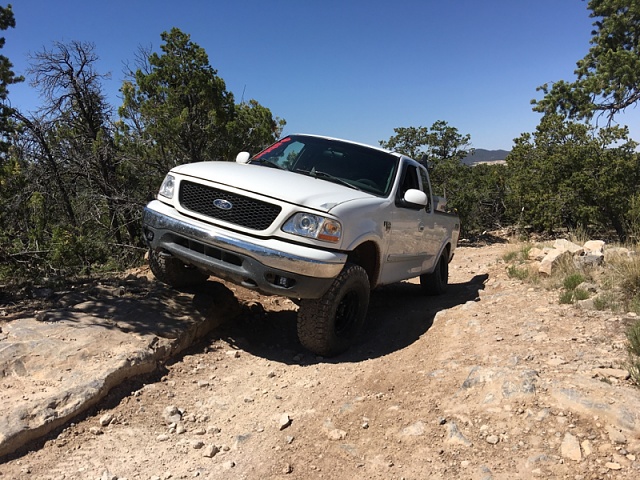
(222, 204)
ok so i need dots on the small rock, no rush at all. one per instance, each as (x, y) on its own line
(287, 469)
(492, 439)
(162, 437)
(197, 444)
(210, 451)
(172, 414)
(618, 373)
(613, 466)
(567, 246)
(285, 421)
(536, 254)
(413, 430)
(594, 246)
(336, 434)
(570, 448)
(106, 419)
(96, 430)
(588, 287)
(456, 437)
(587, 448)
(615, 435)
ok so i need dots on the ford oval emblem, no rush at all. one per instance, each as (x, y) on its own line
(223, 204)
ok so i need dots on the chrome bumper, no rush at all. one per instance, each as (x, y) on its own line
(308, 272)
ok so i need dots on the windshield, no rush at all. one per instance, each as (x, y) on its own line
(356, 166)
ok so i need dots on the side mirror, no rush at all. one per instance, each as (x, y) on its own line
(415, 197)
(243, 157)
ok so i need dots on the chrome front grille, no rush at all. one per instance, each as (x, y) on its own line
(245, 212)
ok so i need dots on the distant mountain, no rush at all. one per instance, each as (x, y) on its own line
(485, 156)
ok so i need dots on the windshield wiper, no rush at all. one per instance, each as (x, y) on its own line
(267, 163)
(327, 176)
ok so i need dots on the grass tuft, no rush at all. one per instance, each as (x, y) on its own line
(510, 256)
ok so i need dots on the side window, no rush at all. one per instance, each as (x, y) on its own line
(410, 180)
(425, 188)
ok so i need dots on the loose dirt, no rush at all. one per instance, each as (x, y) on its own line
(494, 380)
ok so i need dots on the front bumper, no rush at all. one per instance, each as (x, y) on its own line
(270, 266)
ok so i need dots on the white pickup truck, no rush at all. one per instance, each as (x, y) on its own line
(312, 218)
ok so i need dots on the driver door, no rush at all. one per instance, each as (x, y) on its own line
(406, 253)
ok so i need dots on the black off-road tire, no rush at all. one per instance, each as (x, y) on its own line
(328, 325)
(436, 282)
(173, 272)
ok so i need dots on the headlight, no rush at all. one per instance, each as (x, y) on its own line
(314, 226)
(168, 184)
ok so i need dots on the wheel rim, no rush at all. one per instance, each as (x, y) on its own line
(347, 314)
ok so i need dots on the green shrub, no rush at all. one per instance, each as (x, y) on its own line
(572, 281)
(634, 370)
(606, 301)
(633, 336)
(566, 297)
(580, 294)
(634, 305)
(516, 272)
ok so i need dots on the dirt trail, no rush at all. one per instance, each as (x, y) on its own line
(494, 380)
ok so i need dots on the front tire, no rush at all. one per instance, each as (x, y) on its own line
(173, 272)
(436, 282)
(328, 325)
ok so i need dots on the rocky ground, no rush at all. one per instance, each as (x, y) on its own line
(495, 380)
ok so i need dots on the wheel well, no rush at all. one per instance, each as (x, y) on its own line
(366, 255)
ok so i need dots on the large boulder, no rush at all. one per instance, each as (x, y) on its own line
(552, 259)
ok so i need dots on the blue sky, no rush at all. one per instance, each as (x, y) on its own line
(353, 69)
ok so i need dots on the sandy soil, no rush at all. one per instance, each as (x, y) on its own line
(494, 380)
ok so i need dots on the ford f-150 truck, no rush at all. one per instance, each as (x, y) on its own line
(316, 219)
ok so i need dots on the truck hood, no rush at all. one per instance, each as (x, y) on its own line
(283, 185)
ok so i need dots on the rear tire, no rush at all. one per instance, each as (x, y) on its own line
(328, 325)
(173, 272)
(436, 282)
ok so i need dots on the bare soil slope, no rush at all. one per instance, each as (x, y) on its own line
(494, 380)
